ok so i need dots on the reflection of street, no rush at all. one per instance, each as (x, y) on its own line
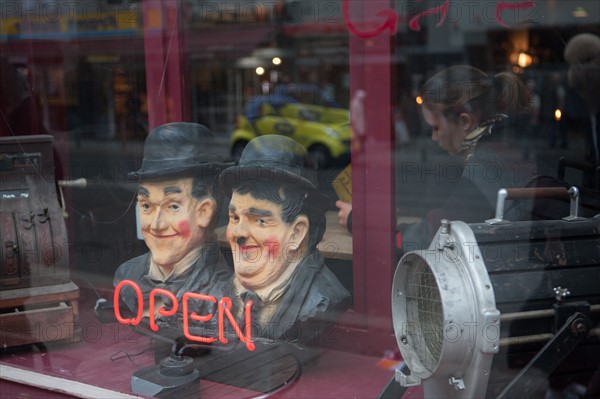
(103, 219)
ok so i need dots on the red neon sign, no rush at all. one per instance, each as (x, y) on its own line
(224, 311)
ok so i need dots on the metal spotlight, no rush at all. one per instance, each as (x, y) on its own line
(493, 309)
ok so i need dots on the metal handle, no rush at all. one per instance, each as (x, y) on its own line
(535, 193)
(78, 183)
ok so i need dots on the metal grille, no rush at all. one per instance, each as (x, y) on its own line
(424, 310)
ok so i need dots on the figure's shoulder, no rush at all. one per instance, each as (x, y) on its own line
(209, 275)
(325, 298)
(324, 284)
(134, 268)
(327, 283)
(222, 272)
(212, 263)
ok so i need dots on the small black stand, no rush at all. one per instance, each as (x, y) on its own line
(171, 373)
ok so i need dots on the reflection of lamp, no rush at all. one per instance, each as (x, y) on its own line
(524, 60)
(248, 62)
(276, 61)
(260, 71)
(580, 12)
(270, 53)
(557, 114)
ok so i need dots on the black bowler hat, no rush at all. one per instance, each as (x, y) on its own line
(179, 149)
(275, 158)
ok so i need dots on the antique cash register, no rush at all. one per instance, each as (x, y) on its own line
(38, 300)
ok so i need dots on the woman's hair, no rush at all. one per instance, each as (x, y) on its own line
(463, 88)
(583, 55)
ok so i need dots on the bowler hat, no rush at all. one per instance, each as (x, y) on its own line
(275, 158)
(179, 149)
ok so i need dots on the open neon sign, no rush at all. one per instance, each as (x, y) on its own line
(223, 313)
(391, 17)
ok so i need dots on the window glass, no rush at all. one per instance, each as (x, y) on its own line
(255, 193)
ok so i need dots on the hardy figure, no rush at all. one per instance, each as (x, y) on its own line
(276, 220)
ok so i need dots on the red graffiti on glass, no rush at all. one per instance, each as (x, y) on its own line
(442, 9)
(390, 22)
(391, 17)
(224, 312)
(503, 5)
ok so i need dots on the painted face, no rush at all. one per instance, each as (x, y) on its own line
(169, 217)
(262, 243)
(448, 134)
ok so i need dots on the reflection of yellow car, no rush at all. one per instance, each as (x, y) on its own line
(323, 131)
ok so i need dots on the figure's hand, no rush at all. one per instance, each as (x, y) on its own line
(345, 209)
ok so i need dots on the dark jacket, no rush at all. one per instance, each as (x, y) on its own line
(494, 165)
(206, 276)
(306, 311)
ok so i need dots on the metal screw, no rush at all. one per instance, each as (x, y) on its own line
(457, 383)
(404, 340)
(444, 226)
(561, 293)
(579, 327)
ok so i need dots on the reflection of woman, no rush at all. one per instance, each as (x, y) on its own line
(20, 109)
(583, 55)
(468, 111)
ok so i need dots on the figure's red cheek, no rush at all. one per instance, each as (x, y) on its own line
(184, 229)
(272, 246)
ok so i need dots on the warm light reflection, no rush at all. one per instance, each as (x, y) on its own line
(276, 61)
(524, 60)
(557, 114)
(419, 100)
(260, 71)
(580, 12)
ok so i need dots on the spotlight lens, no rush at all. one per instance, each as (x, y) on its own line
(424, 311)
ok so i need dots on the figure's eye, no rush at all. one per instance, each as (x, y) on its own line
(233, 218)
(261, 222)
(174, 207)
(145, 207)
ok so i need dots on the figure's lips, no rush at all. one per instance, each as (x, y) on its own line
(163, 236)
(247, 248)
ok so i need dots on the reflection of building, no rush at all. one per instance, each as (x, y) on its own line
(218, 85)
(79, 45)
(225, 41)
